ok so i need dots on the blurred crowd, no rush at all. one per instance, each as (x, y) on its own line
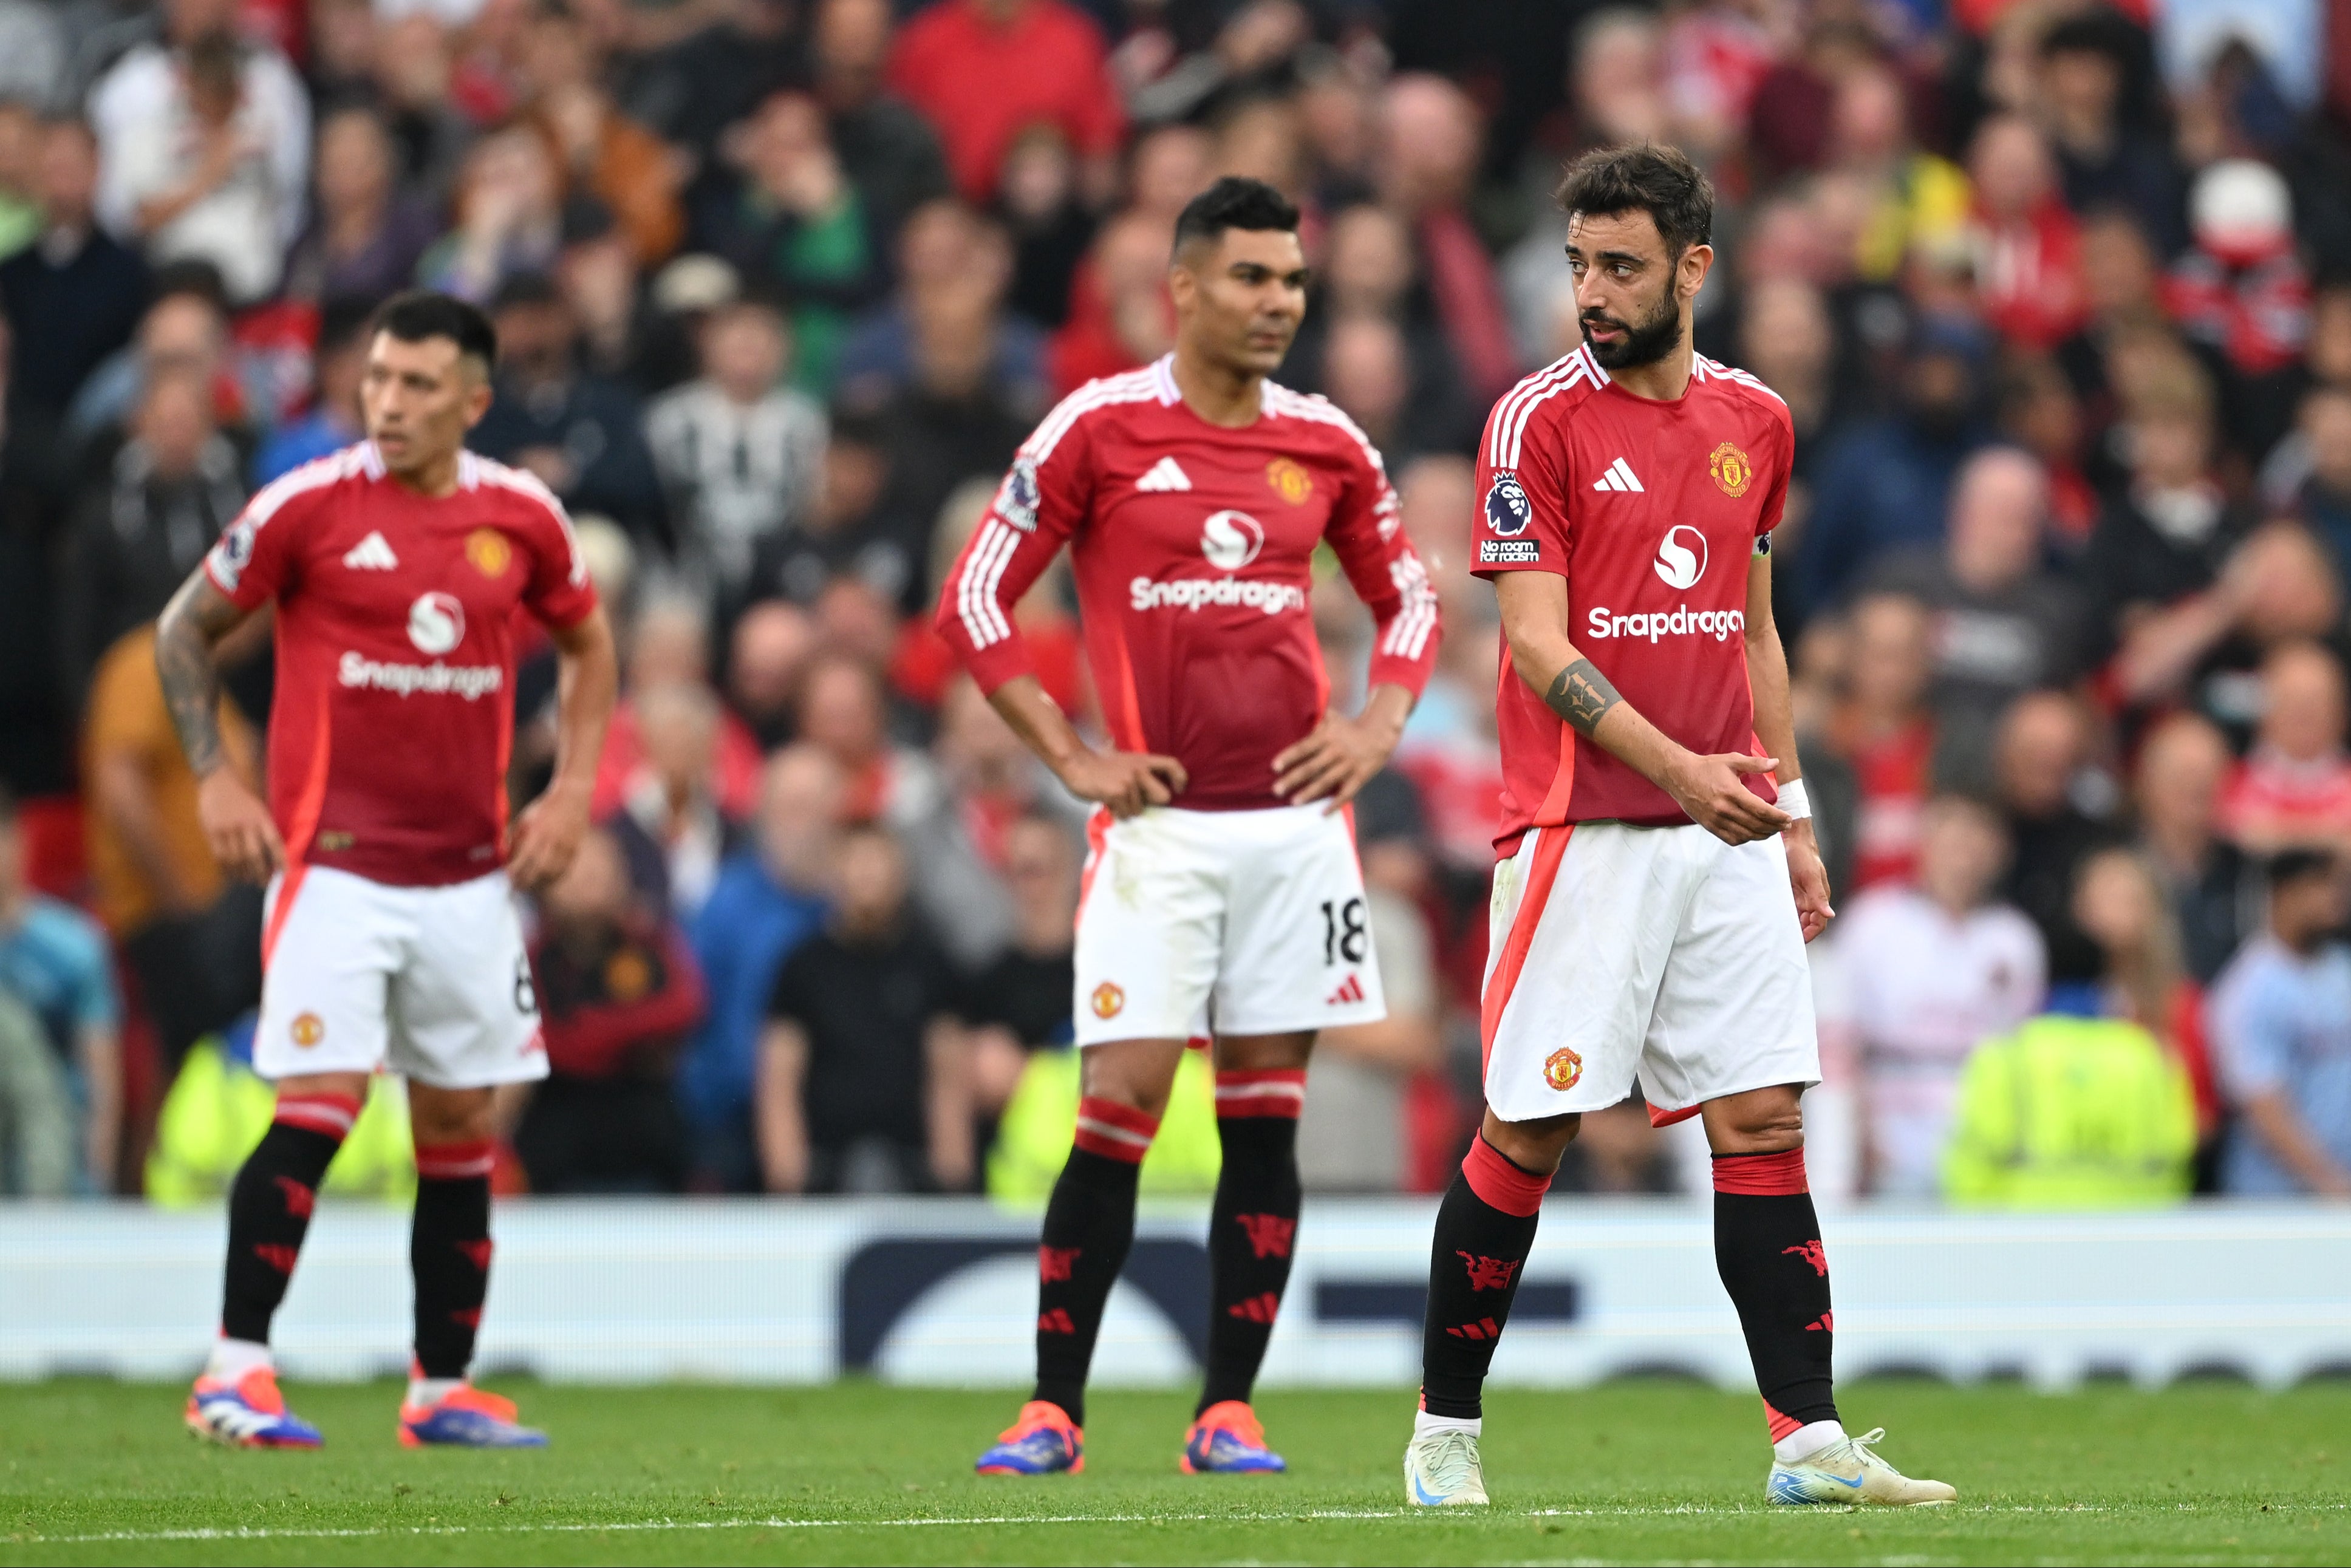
(2058, 292)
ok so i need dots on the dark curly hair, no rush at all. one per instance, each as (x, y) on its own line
(1644, 177)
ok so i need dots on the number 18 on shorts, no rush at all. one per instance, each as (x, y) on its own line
(1230, 923)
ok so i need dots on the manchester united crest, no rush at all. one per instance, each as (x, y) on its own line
(308, 1029)
(1732, 469)
(1562, 1067)
(1291, 481)
(488, 550)
(1108, 999)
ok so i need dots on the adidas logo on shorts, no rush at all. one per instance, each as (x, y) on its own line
(1351, 989)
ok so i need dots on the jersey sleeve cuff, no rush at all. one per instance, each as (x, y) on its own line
(1388, 670)
(992, 666)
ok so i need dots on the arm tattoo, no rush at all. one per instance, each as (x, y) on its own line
(186, 635)
(1582, 696)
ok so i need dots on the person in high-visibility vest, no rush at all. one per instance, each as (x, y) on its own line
(217, 1110)
(2071, 1113)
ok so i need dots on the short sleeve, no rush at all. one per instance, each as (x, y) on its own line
(787, 999)
(559, 590)
(1783, 464)
(1521, 523)
(2252, 1034)
(254, 559)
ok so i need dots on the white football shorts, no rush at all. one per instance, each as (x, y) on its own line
(1661, 953)
(432, 983)
(1225, 923)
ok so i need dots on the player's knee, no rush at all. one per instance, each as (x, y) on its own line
(1767, 1122)
(310, 1085)
(1535, 1146)
(450, 1115)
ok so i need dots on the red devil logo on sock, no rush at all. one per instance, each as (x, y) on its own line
(1489, 1273)
(1812, 1253)
(1269, 1234)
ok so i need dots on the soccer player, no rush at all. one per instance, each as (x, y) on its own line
(390, 937)
(1658, 877)
(1221, 895)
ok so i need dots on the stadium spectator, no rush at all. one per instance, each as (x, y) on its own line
(672, 831)
(508, 207)
(365, 236)
(2323, 499)
(742, 454)
(772, 645)
(1018, 1003)
(950, 260)
(2213, 886)
(962, 840)
(190, 939)
(581, 435)
(982, 72)
(618, 992)
(185, 329)
(2281, 1020)
(333, 422)
(2119, 903)
(1884, 731)
(54, 966)
(2104, 160)
(767, 901)
(2003, 622)
(1429, 150)
(862, 1082)
(669, 645)
(1886, 483)
(1354, 1135)
(73, 296)
(601, 152)
(148, 519)
(845, 713)
(247, 115)
(1936, 968)
(2029, 275)
(2040, 774)
(888, 152)
(2295, 787)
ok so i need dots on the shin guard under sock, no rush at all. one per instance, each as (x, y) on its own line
(449, 1251)
(1485, 1229)
(1089, 1226)
(1767, 1246)
(1252, 1224)
(269, 1208)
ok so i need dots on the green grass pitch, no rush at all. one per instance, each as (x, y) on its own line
(1636, 1471)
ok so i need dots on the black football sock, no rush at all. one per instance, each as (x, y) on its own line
(449, 1251)
(269, 1208)
(1252, 1224)
(1485, 1227)
(1089, 1226)
(1767, 1246)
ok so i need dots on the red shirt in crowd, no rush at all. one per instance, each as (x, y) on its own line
(1892, 775)
(982, 82)
(393, 714)
(1652, 510)
(1194, 546)
(2270, 797)
(2029, 275)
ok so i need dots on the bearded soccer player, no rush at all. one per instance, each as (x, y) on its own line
(1658, 877)
(1222, 896)
(390, 937)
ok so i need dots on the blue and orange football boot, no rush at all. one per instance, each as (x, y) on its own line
(466, 1418)
(1228, 1441)
(248, 1414)
(1043, 1441)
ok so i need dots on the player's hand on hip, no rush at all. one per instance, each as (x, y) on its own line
(1124, 781)
(1335, 761)
(1713, 791)
(1809, 877)
(237, 826)
(546, 835)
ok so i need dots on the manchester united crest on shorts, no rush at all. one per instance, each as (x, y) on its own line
(308, 1029)
(1289, 480)
(488, 550)
(1732, 469)
(1108, 999)
(1562, 1067)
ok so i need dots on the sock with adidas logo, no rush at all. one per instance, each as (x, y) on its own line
(1252, 1223)
(1767, 1247)
(449, 1251)
(1485, 1227)
(269, 1208)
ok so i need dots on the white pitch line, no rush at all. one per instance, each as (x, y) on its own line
(1630, 1511)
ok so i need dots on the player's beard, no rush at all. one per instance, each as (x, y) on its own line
(1645, 342)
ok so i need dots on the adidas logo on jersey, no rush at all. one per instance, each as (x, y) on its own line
(1351, 989)
(1164, 475)
(1620, 477)
(371, 554)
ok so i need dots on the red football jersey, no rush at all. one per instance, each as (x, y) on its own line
(1194, 546)
(1651, 511)
(393, 713)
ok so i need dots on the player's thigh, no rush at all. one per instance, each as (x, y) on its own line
(1150, 925)
(1297, 952)
(465, 1011)
(1582, 924)
(1735, 1012)
(331, 944)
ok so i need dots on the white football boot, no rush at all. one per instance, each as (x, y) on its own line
(1847, 1472)
(1441, 1470)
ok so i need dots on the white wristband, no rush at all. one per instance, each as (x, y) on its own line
(1793, 800)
